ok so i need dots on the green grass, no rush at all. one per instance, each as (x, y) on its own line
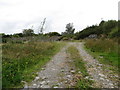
(20, 62)
(106, 51)
(80, 65)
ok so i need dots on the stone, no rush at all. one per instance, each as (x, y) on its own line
(66, 81)
(38, 86)
(59, 84)
(43, 82)
(72, 71)
(48, 81)
(111, 84)
(107, 80)
(79, 72)
(86, 77)
(45, 86)
(53, 69)
(37, 78)
(101, 78)
(43, 78)
(34, 84)
(55, 87)
(101, 75)
(68, 76)
(25, 86)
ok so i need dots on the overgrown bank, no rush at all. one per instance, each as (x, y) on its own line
(21, 61)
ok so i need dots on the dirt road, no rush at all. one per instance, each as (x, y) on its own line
(104, 78)
(58, 73)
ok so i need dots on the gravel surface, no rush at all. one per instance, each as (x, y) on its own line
(103, 78)
(58, 72)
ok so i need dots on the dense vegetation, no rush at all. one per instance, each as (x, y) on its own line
(106, 29)
(21, 61)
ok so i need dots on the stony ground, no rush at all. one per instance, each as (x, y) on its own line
(58, 72)
(104, 78)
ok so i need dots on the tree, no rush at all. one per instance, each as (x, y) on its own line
(28, 32)
(108, 26)
(52, 34)
(69, 29)
(69, 32)
(105, 28)
(17, 35)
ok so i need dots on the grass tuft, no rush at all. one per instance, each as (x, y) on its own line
(80, 65)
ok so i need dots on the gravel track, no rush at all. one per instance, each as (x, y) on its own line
(58, 72)
(102, 78)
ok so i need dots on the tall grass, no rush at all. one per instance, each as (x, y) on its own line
(21, 61)
(107, 49)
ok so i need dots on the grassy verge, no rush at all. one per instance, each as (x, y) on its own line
(20, 62)
(106, 51)
(80, 65)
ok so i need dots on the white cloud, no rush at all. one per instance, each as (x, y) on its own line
(16, 15)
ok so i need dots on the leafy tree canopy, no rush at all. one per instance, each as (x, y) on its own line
(28, 32)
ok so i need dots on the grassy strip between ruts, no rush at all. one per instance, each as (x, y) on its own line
(80, 65)
(20, 62)
(106, 51)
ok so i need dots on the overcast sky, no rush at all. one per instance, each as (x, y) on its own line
(16, 15)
